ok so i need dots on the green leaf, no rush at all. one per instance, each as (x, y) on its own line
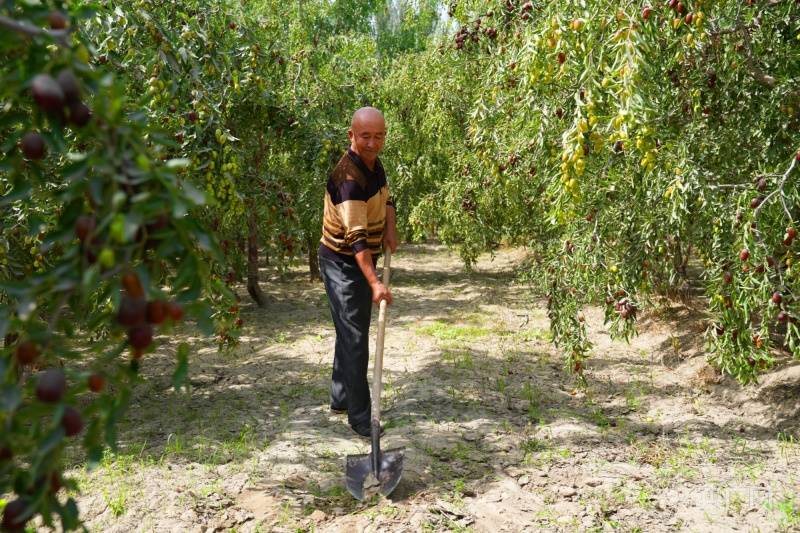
(4, 322)
(179, 209)
(202, 315)
(187, 271)
(14, 288)
(194, 194)
(11, 142)
(203, 240)
(21, 190)
(35, 225)
(52, 440)
(69, 515)
(95, 455)
(89, 280)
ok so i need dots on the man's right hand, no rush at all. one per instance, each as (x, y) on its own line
(380, 292)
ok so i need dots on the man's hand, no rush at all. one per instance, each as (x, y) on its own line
(380, 292)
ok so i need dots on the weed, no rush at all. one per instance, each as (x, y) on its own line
(530, 447)
(751, 471)
(398, 422)
(449, 332)
(459, 358)
(643, 498)
(285, 517)
(445, 524)
(651, 453)
(327, 454)
(788, 445)
(533, 397)
(692, 450)
(741, 448)
(175, 445)
(599, 418)
(502, 387)
(529, 335)
(390, 511)
(789, 510)
(118, 503)
(633, 396)
(459, 487)
(734, 504)
(675, 342)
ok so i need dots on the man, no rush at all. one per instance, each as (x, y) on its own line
(358, 220)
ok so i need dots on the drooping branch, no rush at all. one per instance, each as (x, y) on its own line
(759, 75)
(58, 36)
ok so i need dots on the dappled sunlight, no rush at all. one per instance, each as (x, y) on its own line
(475, 394)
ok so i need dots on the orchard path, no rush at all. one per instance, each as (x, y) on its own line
(497, 436)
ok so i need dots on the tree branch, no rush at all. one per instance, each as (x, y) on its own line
(760, 76)
(59, 36)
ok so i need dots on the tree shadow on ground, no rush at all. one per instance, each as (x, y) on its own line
(463, 415)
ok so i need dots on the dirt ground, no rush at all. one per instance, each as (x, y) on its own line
(497, 437)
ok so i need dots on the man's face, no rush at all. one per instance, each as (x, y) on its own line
(367, 136)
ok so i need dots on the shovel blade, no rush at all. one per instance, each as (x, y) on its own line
(361, 481)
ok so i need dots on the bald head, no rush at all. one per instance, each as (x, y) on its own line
(367, 133)
(367, 115)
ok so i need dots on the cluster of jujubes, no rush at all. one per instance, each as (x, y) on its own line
(474, 34)
(624, 306)
(102, 183)
(138, 315)
(60, 99)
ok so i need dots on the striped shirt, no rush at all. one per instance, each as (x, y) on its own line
(354, 215)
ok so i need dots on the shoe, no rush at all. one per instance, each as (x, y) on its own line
(365, 429)
(339, 411)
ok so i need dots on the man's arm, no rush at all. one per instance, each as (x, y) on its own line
(379, 290)
(390, 230)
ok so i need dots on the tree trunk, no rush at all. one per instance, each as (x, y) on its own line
(680, 257)
(253, 288)
(313, 261)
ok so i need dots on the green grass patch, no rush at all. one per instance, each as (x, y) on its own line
(531, 335)
(538, 452)
(201, 449)
(453, 332)
(459, 358)
(398, 422)
(788, 511)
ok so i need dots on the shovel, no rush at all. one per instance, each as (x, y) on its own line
(376, 472)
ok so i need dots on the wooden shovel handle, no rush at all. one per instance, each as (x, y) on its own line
(377, 371)
(378, 365)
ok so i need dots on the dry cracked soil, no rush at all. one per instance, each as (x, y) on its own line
(497, 436)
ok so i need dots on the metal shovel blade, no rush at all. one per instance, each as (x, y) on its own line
(361, 480)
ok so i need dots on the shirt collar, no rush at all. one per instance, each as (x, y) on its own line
(363, 166)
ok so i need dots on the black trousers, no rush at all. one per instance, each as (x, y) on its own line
(350, 299)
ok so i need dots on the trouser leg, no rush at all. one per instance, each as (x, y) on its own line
(338, 392)
(351, 306)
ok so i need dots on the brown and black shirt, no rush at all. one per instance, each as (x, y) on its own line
(354, 215)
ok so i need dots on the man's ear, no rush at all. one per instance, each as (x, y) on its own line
(350, 134)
